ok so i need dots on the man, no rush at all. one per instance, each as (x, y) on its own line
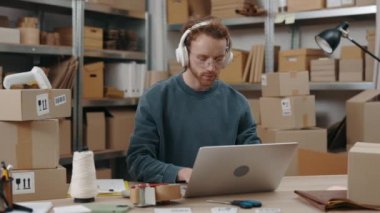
(190, 110)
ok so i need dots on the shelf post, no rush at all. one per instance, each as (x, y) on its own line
(77, 47)
(269, 35)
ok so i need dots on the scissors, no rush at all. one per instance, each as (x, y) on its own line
(244, 204)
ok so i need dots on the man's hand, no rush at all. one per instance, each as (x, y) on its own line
(184, 174)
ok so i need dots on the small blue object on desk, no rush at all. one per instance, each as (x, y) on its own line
(244, 204)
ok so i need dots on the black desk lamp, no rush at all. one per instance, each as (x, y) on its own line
(329, 39)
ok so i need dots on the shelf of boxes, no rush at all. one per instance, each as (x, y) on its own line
(58, 3)
(114, 54)
(304, 15)
(114, 11)
(35, 49)
(246, 87)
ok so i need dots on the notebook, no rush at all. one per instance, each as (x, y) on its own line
(220, 170)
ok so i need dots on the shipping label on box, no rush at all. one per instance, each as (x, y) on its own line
(34, 104)
(39, 184)
(30, 144)
(285, 84)
(363, 116)
(287, 113)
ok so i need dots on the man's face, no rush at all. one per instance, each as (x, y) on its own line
(206, 56)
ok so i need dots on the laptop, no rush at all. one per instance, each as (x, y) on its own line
(220, 170)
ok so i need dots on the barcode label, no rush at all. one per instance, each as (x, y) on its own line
(59, 100)
(286, 107)
(42, 104)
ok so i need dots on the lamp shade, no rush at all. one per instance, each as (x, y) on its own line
(329, 40)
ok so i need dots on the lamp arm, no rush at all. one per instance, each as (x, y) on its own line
(364, 49)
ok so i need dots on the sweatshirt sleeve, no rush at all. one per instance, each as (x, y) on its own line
(142, 158)
(247, 133)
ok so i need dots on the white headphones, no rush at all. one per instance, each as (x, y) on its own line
(182, 54)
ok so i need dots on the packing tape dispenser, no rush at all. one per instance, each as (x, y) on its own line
(36, 75)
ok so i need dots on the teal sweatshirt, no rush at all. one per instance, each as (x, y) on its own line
(173, 121)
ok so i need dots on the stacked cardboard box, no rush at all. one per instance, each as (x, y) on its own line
(323, 70)
(287, 113)
(363, 116)
(351, 64)
(31, 140)
(369, 61)
(228, 8)
(299, 5)
(93, 37)
(93, 80)
(297, 59)
(363, 173)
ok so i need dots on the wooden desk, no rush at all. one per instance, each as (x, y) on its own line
(283, 198)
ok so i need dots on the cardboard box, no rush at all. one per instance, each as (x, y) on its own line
(103, 173)
(298, 59)
(65, 145)
(321, 163)
(93, 80)
(93, 36)
(285, 84)
(30, 144)
(39, 184)
(300, 5)
(288, 113)
(365, 2)
(30, 36)
(177, 11)
(9, 35)
(369, 61)
(363, 116)
(135, 5)
(314, 138)
(324, 70)
(120, 125)
(233, 72)
(255, 109)
(200, 8)
(95, 131)
(351, 70)
(34, 104)
(363, 173)
(351, 52)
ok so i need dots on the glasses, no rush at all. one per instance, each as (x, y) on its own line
(206, 61)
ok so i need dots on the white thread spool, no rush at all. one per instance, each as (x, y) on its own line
(83, 186)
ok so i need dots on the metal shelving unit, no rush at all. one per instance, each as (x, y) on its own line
(362, 11)
(109, 102)
(114, 54)
(35, 49)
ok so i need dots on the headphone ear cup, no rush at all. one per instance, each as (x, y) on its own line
(228, 58)
(182, 56)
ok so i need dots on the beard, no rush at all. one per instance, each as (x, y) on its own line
(205, 78)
